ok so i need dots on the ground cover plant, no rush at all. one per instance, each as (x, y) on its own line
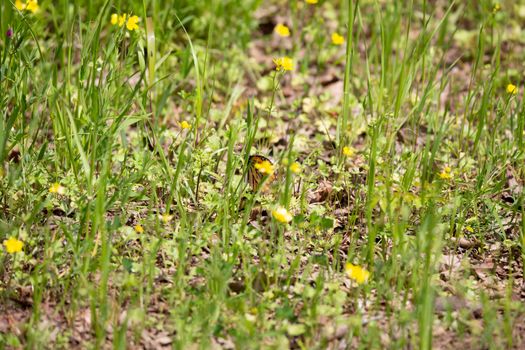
(246, 174)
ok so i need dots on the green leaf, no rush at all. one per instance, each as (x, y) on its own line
(326, 223)
(127, 264)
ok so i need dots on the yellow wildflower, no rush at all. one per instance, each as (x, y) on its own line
(265, 167)
(312, 2)
(165, 218)
(496, 8)
(348, 151)
(446, 174)
(337, 39)
(57, 188)
(185, 125)
(469, 229)
(114, 19)
(282, 215)
(121, 20)
(357, 273)
(32, 5)
(282, 30)
(132, 23)
(20, 6)
(512, 89)
(283, 63)
(295, 168)
(13, 245)
(139, 229)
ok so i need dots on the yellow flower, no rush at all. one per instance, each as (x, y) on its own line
(348, 151)
(13, 245)
(282, 30)
(32, 5)
(121, 20)
(165, 218)
(139, 229)
(337, 39)
(114, 19)
(312, 1)
(20, 6)
(496, 8)
(132, 23)
(282, 215)
(283, 63)
(295, 168)
(446, 174)
(512, 89)
(185, 125)
(357, 273)
(469, 229)
(57, 188)
(265, 167)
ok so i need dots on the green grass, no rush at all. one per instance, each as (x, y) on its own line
(430, 202)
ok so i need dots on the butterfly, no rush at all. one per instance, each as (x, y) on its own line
(259, 168)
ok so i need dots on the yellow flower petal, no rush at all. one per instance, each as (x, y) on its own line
(337, 39)
(57, 188)
(20, 6)
(295, 168)
(348, 151)
(185, 125)
(282, 30)
(121, 20)
(357, 273)
(132, 23)
(114, 19)
(282, 215)
(13, 245)
(265, 167)
(512, 89)
(283, 63)
(139, 229)
(32, 5)
(312, 2)
(446, 174)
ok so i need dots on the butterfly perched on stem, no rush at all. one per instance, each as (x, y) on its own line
(259, 168)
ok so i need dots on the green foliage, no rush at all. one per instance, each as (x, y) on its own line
(124, 154)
